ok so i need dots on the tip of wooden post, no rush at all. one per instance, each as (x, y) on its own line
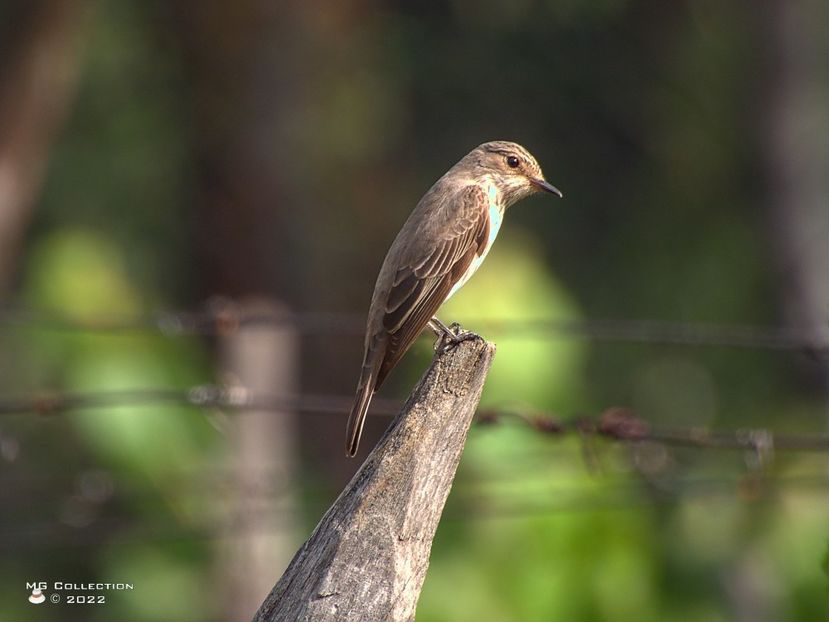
(466, 341)
(370, 552)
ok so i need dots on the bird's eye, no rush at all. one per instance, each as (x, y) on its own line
(513, 161)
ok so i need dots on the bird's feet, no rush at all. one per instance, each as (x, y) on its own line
(449, 336)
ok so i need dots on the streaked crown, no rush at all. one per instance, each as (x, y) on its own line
(510, 166)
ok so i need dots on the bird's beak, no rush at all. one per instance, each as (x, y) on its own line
(545, 186)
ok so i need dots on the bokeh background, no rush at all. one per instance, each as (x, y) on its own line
(167, 166)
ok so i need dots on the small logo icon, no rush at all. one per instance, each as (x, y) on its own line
(37, 597)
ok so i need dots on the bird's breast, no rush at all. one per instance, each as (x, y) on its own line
(495, 211)
(496, 215)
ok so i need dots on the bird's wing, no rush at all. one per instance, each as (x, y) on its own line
(422, 284)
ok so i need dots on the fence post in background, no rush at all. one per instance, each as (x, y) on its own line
(796, 159)
(367, 558)
(260, 518)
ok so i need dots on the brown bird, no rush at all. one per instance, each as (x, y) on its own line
(441, 245)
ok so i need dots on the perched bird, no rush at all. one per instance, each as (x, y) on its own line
(442, 244)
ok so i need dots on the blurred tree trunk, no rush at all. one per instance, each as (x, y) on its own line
(798, 160)
(37, 83)
(247, 230)
(796, 123)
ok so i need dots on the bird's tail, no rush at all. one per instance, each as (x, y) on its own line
(354, 429)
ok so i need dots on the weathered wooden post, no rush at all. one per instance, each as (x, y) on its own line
(367, 558)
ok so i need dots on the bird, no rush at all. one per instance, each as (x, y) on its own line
(441, 245)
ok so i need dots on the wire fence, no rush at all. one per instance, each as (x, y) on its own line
(98, 523)
(493, 499)
(616, 426)
(205, 396)
(515, 498)
(224, 317)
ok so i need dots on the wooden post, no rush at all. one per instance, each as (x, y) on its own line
(797, 165)
(260, 530)
(367, 558)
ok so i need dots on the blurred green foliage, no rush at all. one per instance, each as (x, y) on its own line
(517, 286)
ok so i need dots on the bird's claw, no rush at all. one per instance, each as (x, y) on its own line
(453, 337)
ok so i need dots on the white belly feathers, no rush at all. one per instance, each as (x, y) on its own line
(496, 216)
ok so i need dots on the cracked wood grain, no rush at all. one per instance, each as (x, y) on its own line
(367, 558)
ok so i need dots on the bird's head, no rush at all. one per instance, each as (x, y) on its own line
(513, 169)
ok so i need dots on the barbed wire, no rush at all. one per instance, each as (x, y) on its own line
(206, 396)
(622, 424)
(615, 423)
(224, 317)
